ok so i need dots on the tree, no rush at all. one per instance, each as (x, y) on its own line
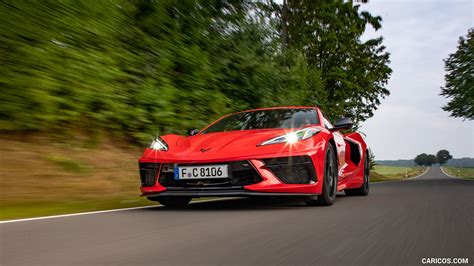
(354, 73)
(425, 159)
(431, 160)
(372, 161)
(58, 64)
(134, 69)
(459, 88)
(443, 156)
(421, 159)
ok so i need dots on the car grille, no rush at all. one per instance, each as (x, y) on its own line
(292, 170)
(241, 174)
(148, 173)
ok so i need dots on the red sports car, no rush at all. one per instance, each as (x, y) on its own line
(282, 151)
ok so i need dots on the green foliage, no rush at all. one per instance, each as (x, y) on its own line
(425, 159)
(443, 156)
(135, 69)
(372, 161)
(460, 79)
(354, 73)
(59, 64)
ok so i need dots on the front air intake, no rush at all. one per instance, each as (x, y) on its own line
(292, 170)
(148, 173)
(241, 174)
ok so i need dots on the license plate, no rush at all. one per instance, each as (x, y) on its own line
(201, 172)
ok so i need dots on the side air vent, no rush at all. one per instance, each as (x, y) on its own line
(355, 152)
(292, 170)
(148, 173)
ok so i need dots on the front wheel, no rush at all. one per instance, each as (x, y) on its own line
(364, 189)
(174, 202)
(329, 190)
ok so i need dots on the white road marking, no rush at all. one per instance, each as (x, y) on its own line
(405, 179)
(98, 212)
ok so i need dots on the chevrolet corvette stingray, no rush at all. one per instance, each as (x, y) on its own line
(280, 151)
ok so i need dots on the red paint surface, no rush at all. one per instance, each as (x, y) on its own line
(243, 145)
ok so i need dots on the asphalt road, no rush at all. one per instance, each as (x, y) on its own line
(399, 223)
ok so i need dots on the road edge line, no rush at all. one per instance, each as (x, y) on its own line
(102, 211)
(456, 177)
(405, 179)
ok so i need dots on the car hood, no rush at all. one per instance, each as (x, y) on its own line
(217, 145)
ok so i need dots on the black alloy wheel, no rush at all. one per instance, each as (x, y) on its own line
(329, 190)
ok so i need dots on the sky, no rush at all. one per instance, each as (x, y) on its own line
(419, 34)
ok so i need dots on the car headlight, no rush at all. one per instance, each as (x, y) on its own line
(293, 137)
(159, 144)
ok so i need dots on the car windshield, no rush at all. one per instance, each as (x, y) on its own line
(261, 119)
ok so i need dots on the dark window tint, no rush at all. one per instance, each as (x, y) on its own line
(276, 118)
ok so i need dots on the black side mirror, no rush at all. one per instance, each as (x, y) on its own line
(192, 132)
(343, 123)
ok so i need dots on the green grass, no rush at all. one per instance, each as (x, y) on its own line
(40, 209)
(391, 170)
(42, 177)
(386, 173)
(28, 210)
(463, 172)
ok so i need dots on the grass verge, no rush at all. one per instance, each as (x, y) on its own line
(40, 177)
(388, 173)
(38, 209)
(462, 172)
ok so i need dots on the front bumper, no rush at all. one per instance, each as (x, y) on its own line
(218, 192)
(270, 183)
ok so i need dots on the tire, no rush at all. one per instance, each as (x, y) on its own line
(364, 189)
(329, 189)
(174, 202)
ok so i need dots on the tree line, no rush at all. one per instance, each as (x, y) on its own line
(441, 157)
(135, 69)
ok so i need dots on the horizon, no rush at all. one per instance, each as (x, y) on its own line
(414, 158)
